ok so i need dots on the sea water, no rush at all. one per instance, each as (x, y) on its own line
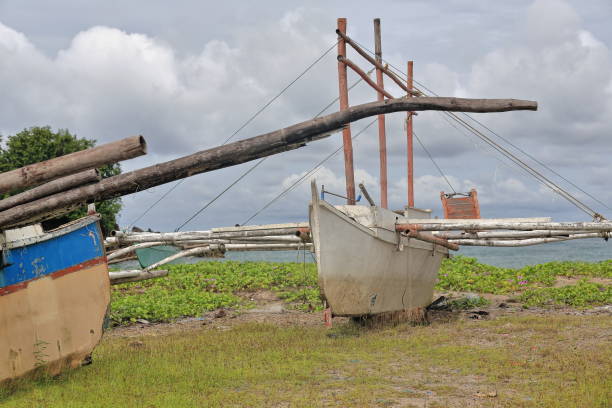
(590, 250)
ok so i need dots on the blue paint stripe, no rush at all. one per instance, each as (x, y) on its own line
(58, 253)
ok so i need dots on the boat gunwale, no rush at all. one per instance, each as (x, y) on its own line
(47, 235)
(409, 241)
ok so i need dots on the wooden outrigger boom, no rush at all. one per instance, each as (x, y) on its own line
(231, 154)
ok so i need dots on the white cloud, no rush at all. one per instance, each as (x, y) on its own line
(106, 82)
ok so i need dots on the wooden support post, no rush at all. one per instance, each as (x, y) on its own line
(346, 132)
(409, 137)
(382, 137)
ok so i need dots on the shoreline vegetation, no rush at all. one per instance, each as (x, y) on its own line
(190, 290)
(537, 336)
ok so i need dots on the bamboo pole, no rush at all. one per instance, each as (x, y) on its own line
(174, 237)
(477, 221)
(199, 251)
(124, 259)
(524, 242)
(266, 247)
(241, 151)
(344, 104)
(382, 136)
(507, 234)
(37, 173)
(52, 187)
(568, 226)
(126, 251)
(133, 276)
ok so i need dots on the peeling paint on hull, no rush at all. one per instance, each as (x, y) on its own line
(52, 310)
(365, 267)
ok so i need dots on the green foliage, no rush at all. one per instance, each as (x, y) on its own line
(583, 294)
(461, 273)
(38, 144)
(307, 299)
(466, 303)
(191, 289)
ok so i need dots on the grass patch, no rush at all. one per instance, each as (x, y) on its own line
(528, 361)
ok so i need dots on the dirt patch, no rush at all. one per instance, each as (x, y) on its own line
(563, 281)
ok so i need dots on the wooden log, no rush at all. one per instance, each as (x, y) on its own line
(432, 239)
(199, 251)
(525, 226)
(382, 133)
(366, 195)
(525, 242)
(133, 276)
(52, 187)
(363, 75)
(242, 151)
(37, 173)
(377, 64)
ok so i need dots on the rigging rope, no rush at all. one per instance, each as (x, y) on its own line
(237, 131)
(264, 158)
(306, 175)
(533, 172)
(434, 162)
(527, 154)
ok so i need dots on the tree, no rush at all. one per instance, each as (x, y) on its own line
(37, 144)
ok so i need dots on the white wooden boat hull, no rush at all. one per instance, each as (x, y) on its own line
(368, 270)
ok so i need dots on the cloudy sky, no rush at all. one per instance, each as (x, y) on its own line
(189, 74)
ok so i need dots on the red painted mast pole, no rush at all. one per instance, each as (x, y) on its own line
(382, 137)
(409, 118)
(346, 132)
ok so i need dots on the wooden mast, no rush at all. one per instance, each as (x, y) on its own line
(409, 138)
(382, 137)
(346, 131)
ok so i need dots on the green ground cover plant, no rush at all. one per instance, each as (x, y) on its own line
(192, 289)
(582, 294)
(466, 274)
